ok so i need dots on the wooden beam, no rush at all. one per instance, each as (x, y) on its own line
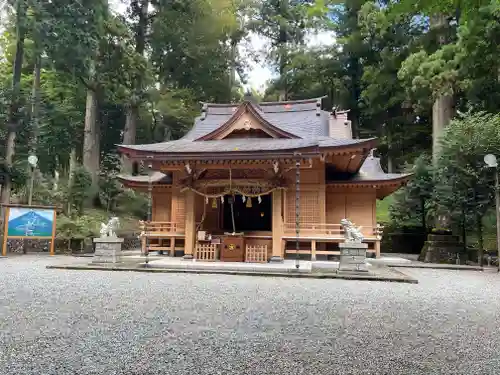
(190, 227)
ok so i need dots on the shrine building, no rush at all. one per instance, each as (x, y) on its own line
(251, 181)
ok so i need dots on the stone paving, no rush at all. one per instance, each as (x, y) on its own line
(89, 322)
(309, 269)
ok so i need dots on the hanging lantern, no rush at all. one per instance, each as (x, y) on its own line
(259, 199)
(243, 198)
(249, 202)
(214, 203)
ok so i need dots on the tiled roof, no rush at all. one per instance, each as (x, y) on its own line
(371, 170)
(155, 177)
(299, 118)
(242, 145)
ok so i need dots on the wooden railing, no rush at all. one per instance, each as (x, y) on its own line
(160, 227)
(327, 230)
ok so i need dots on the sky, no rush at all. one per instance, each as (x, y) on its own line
(259, 74)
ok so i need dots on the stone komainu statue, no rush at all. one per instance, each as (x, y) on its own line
(109, 229)
(351, 233)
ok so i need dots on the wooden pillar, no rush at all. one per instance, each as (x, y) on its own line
(190, 227)
(377, 248)
(277, 226)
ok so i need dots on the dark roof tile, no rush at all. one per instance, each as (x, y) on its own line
(303, 124)
(241, 145)
(155, 177)
(371, 170)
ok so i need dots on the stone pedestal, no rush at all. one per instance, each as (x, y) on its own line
(443, 248)
(353, 257)
(108, 250)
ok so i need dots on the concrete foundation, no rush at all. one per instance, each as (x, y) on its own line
(108, 250)
(353, 257)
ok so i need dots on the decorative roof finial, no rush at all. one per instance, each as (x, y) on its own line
(318, 107)
(249, 97)
(204, 110)
(334, 112)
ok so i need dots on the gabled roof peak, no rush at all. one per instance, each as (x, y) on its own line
(254, 110)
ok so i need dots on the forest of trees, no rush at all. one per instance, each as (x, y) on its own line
(77, 77)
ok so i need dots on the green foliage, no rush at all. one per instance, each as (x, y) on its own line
(465, 8)
(383, 207)
(109, 187)
(80, 190)
(410, 204)
(427, 76)
(89, 224)
(465, 186)
(479, 64)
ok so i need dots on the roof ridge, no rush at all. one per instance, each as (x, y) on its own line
(298, 101)
(296, 110)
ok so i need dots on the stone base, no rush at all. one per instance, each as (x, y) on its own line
(442, 248)
(188, 257)
(276, 259)
(353, 257)
(108, 250)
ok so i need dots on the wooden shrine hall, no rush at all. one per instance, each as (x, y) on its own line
(250, 181)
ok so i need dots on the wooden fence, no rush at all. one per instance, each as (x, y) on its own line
(206, 252)
(256, 254)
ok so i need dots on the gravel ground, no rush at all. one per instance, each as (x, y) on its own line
(91, 322)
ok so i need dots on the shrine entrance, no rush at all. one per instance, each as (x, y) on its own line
(250, 214)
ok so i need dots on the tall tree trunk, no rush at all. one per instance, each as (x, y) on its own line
(129, 133)
(283, 72)
(479, 226)
(283, 47)
(442, 113)
(442, 109)
(91, 141)
(356, 73)
(390, 165)
(232, 72)
(132, 115)
(35, 101)
(424, 214)
(71, 178)
(13, 116)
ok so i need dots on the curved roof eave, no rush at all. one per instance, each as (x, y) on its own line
(307, 148)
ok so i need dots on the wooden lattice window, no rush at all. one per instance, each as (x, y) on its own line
(179, 210)
(309, 207)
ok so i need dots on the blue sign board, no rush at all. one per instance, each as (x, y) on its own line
(30, 222)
